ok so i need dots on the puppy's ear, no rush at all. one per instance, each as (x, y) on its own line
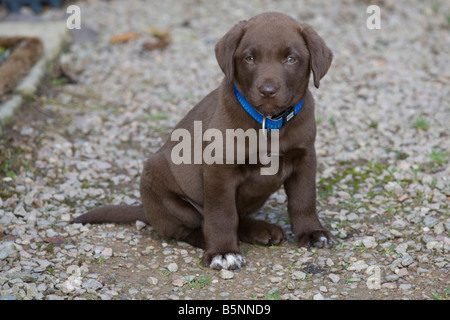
(226, 48)
(320, 55)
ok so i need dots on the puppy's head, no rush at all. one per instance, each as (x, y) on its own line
(270, 58)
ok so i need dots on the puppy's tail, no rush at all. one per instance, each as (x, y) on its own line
(114, 214)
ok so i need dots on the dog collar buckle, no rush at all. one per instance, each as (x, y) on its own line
(265, 130)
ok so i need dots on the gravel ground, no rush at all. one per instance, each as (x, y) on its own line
(383, 152)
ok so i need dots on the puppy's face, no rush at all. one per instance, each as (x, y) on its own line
(270, 58)
(272, 65)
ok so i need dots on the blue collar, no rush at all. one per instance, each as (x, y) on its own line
(269, 122)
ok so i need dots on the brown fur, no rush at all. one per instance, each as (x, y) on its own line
(210, 206)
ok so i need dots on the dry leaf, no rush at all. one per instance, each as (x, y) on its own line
(124, 37)
(162, 34)
(149, 45)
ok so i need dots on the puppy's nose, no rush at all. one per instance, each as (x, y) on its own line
(268, 90)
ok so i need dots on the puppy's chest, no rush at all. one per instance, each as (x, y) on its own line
(264, 180)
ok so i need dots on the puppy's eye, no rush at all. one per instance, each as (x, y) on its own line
(250, 59)
(291, 60)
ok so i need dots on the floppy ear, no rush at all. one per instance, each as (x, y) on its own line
(226, 48)
(320, 55)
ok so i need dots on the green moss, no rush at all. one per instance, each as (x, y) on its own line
(355, 176)
(420, 123)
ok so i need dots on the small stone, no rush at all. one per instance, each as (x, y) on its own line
(407, 260)
(352, 217)
(400, 224)
(277, 267)
(435, 245)
(226, 274)
(42, 287)
(424, 210)
(67, 287)
(422, 271)
(358, 266)
(66, 217)
(334, 277)
(369, 242)
(54, 297)
(430, 221)
(20, 211)
(403, 272)
(392, 277)
(31, 289)
(344, 195)
(140, 225)
(323, 289)
(192, 277)
(280, 198)
(59, 197)
(92, 284)
(405, 286)
(329, 262)
(396, 233)
(152, 280)
(394, 187)
(120, 236)
(24, 254)
(26, 131)
(107, 252)
(389, 285)
(318, 296)
(276, 279)
(179, 282)
(3, 255)
(298, 275)
(51, 233)
(438, 228)
(342, 234)
(172, 267)
(132, 291)
(20, 189)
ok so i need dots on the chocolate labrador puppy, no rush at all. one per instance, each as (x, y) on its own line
(267, 61)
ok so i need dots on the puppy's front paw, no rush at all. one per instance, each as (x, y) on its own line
(318, 239)
(228, 261)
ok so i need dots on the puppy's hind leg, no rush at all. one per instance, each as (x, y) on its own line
(182, 225)
(166, 209)
(184, 221)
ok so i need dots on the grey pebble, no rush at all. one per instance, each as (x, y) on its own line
(392, 277)
(172, 267)
(405, 286)
(3, 255)
(226, 274)
(430, 221)
(407, 260)
(91, 284)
